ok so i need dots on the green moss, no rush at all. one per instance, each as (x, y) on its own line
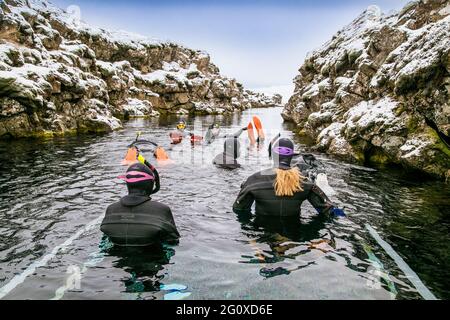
(301, 132)
(379, 158)
(306, 98)
(400, 109)
(146, 116)
(44, 134)
(442, 147)
(438, 144)
(302, 137)
(359, 153)
(411, 124)
(162, 111)
(98, 130)
(359, 156)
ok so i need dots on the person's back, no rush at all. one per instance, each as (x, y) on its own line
(259, 188)
(281, 191)
(231, 151)
(139, 221)
(228, 158)
(225, 161)
(136, 220)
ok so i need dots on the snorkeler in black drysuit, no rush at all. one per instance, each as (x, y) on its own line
(228, 158)
(280, 191)
(136, 220)
(231, 151)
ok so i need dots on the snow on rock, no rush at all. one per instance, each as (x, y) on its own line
(379, 90)
(59, 74)
(413, 148)
(368, 115)
(139, 108)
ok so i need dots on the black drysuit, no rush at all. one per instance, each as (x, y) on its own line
(259, 188)
(135, 220)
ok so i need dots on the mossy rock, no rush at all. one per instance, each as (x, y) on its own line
(379, 158)
(412, 123)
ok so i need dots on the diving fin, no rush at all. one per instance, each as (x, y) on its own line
(251, 133)
(131, 157)
(161, 154)
(259, 128)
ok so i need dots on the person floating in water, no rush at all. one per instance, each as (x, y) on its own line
(177, 135)
(231, 151)
(180, 133)
(136, 220)
(280, 191)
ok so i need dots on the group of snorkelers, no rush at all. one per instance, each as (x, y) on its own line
(137, 220)
(231, 148)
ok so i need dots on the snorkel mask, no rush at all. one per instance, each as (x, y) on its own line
(181, 125)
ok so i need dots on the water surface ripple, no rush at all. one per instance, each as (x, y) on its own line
(51, 189)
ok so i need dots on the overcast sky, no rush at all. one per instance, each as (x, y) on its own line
(261, 43)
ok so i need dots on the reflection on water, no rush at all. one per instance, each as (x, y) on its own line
(287, 239)
(144, 265)
(50, 189)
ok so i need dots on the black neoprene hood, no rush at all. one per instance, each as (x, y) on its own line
(283, 152)
(141, 187)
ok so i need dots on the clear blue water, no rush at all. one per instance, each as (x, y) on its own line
(50, 189)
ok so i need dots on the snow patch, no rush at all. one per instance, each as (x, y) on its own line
(366, 113)
(413, 148)
(139, 108)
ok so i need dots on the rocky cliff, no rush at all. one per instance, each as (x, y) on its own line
(379, 90)
(58, 74)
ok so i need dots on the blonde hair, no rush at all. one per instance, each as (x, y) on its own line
(288, 182)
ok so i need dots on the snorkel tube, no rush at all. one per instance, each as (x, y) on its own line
(272, 142)
(134, 155)
(159, 153)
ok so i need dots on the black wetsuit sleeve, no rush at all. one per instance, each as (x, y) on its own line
(236, 134)
(320, 201)
(244, 201)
